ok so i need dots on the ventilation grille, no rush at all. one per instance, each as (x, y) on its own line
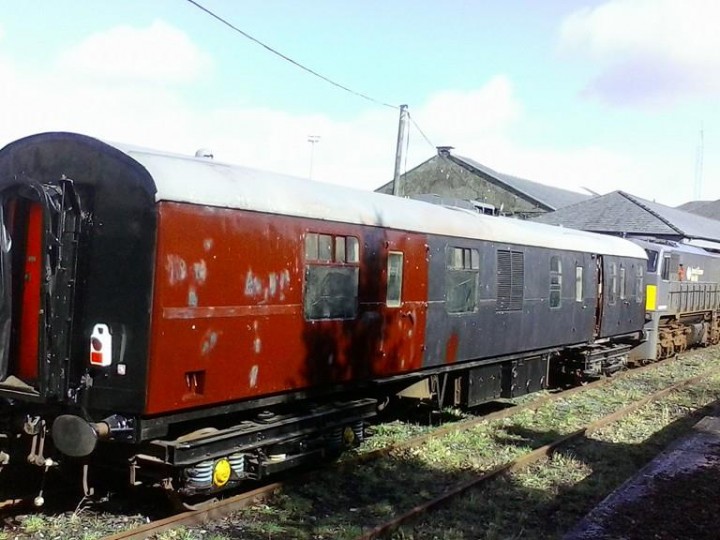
(510, 280)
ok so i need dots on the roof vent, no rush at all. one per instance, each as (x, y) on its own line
(204, 153)
(444, 150)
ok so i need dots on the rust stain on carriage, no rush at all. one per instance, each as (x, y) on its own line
(243, 275)
(451, 348)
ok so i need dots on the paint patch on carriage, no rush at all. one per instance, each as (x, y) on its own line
(209, 342)
(253, 285)
(253, 376)
(273, 287)
(200, 272)
(176, 269)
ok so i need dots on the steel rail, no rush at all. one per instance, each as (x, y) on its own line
(196, 517)
(231, 504)
(523, 461)
(499, 415)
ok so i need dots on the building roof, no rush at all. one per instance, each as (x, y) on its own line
(621, 213)
(709, 209)
(550, 197)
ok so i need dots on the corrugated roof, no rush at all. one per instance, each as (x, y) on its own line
(550, 197)
(621, 213)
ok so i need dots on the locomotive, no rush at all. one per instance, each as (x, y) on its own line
(202, 324)
(683, 299)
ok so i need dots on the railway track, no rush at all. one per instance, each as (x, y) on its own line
(232, 504)
(532, 457)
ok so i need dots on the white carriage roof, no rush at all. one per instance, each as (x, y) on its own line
(205, 181)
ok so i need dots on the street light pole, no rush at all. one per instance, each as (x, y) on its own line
(312, 139)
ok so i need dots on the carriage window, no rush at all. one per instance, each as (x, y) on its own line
(623, 282)
(555, 281)
(394, 278)
(325, 246)
(311, 247)
(352, 249)
(331, 276)
(339, 249)
(578, 283)
(639, 283)
(666, 269)
(510, 280)
(612, 296)
(461, 281)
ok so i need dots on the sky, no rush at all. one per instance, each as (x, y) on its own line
(599, 95)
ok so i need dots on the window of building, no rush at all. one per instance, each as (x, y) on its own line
(612, 293)
(623, 282)
(510, 280)
(555, 282)
(461, 282)
(331, 276)
(579, 284)
(394, 278)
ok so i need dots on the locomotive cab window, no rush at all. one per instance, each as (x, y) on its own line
(331, 276)
(461, 279)
(623, 282)
(665, 274)
(394, 279)
(652, 261)
(555, 282)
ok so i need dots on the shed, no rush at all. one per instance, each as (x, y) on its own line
(451, 176)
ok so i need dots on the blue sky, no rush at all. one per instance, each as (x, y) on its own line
(604, 94)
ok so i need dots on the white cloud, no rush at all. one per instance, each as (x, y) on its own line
(357, 152)
(454, 114)
(648, 50)
(159, 53)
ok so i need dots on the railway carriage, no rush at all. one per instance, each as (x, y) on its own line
(208, 323)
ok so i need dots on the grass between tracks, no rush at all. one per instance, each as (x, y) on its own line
(542, 501)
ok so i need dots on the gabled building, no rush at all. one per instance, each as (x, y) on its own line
(622, 214)
(447, 175)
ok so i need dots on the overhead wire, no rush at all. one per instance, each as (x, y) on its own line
(420, 130)
(288, 59)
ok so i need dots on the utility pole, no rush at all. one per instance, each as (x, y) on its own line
(402, 128)
(312, 139)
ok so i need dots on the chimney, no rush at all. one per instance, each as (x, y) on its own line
(204, 153)
(444, 151)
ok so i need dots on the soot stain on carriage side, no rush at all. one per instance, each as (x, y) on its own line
(347, 350)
